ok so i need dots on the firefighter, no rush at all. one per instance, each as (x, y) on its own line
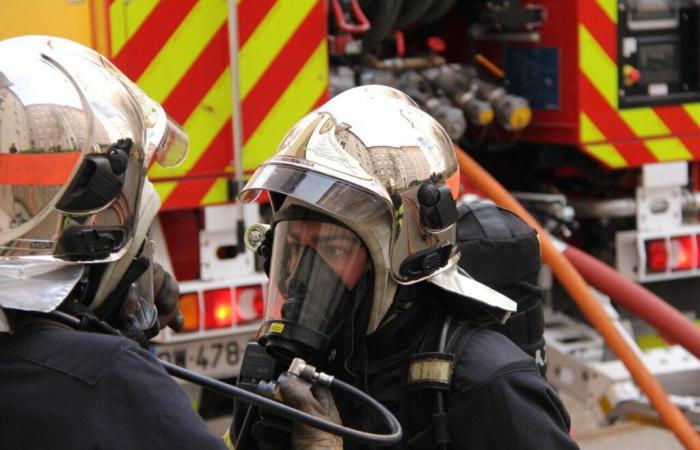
(76, 138)
(364, 283)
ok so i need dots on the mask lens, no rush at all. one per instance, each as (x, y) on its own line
(315, 266)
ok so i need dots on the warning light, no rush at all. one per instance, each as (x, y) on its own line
(250, 304)
(683, 254)
(189, 306)
(657, 255)
(218, 311)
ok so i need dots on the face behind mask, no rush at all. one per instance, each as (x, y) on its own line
(318, 271)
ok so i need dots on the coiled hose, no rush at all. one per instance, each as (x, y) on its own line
(586, 301)
(382, 440)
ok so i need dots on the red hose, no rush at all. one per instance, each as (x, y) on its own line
(643, 303)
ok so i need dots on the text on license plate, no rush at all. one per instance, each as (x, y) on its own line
(214, 357)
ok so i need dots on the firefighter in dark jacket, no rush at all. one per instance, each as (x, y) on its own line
(76, 139)
(364, 282)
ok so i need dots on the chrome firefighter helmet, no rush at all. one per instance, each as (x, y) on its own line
(373, 161)
(76, 139)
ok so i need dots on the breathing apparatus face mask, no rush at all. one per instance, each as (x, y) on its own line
(318, 270)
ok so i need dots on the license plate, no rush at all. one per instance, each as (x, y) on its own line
(218, 357)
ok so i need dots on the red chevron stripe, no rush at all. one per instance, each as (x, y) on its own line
(154, 32)
(250, 14)
(188, 193)
(676, 119)
(323, 98)
(635, 153)
(601, 27)
(263, 96)
(692, 143)
(200, 77)
(611, 125)
(218, 155)
(601, 113)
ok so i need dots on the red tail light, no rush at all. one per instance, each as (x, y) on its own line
(683, 253)
(657, 255)
(218, 310)
(189, 305)
(249, 304)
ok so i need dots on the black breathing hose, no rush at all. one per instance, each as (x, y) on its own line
(393, 437)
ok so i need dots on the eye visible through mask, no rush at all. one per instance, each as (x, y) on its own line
(314, 271)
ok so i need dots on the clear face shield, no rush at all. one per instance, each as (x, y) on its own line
(317, 276)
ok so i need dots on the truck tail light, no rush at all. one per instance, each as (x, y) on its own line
(657, 255)
(218, 311)
(683, 253)
(249, 304)
(189, 306)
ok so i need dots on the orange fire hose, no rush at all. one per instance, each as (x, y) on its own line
(589, 305)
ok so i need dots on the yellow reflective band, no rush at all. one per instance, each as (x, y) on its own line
(644, 122)
(202, 126)
(164, 189)
(125, 18)
(182, 49)
(268, 39)
(608, 154)
(668, 149)
(598, 67)
(589, 130)
(610, 8)
(693, 110)
(297, 100)
(218, 193)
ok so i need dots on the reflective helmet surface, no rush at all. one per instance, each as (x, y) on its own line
(76, 137)
(362, 158)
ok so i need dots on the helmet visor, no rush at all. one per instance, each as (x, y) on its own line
(173, 146)
(340, 199)
(315, 266)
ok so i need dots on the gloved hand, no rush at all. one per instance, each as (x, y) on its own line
(316, 401)
(167, 298)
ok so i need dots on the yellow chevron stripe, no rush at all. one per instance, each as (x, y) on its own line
(297, 100)
(668, 149)
(268, 39)
(589, 130)
(644, 122)
(202, 126)
(608, 154)
(164, 189)
(597, 66)
(693, 110)
(218, 193)
(122, 29)
(610, 8)
(183, 47)
(602, 72)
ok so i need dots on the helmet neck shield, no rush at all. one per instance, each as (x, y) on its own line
(317, 277)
